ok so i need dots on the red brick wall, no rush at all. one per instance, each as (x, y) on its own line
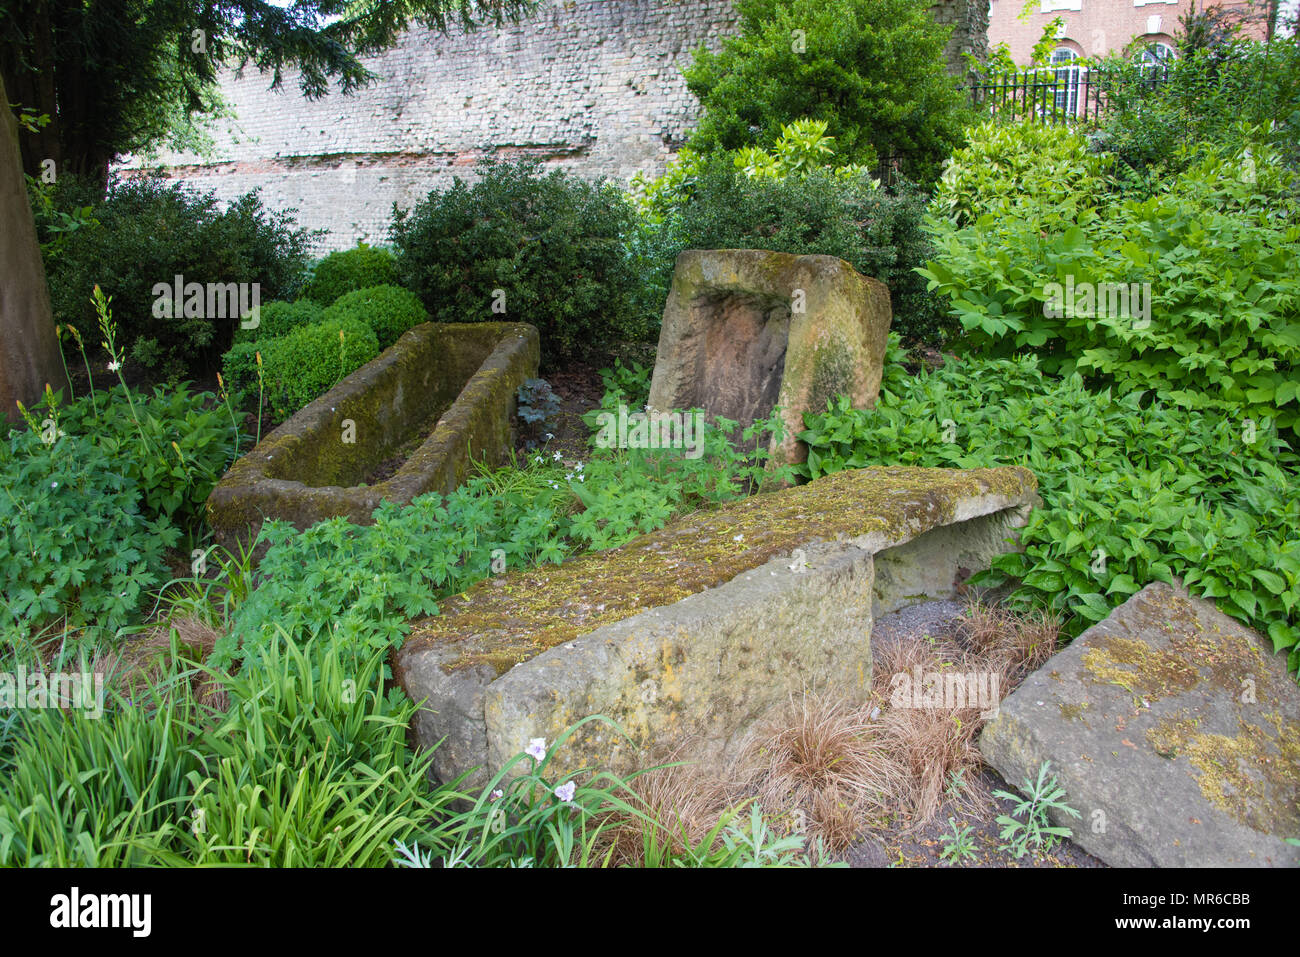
(1092, 27)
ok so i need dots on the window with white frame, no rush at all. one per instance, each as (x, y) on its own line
(1067, 74)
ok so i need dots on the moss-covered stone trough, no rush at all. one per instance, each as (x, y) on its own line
(455, 381)
(688, 635)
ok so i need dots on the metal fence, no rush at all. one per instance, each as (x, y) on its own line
(1055, 94)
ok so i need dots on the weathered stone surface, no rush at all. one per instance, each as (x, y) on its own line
(461, 376)
(1175, 732)
(687, 635)
(745, 330)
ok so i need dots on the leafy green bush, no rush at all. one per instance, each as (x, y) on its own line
(306, 363)
(1132, 493)
(1223, 94)
(389, 310)
(874, 70)
(1191, 293)
(174, 445)
(520, 246)
(239, 368)
(150, 231)
(75, 548)
(350, 270)
(277, 319)
(1006, 166)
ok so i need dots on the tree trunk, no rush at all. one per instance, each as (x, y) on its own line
(29, 347)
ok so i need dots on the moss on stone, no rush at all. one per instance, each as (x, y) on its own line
(513, 618)
(1254, 775)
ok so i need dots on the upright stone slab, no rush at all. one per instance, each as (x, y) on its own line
(689, 635)
(1175, 732)
(745, 330)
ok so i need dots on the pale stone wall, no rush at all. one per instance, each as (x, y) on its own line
(592, 86)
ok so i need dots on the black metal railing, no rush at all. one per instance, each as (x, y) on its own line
(1061, 93)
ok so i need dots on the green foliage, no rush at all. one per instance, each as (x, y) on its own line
(804, 146)
(1222, 94)
(1027, 828)
(1014, 170)
(173, 445)
(150, 231)
(75, 548)
(873, 70)
(389, 310)
(308, 767)
(54, 224)
(307, 362)
(1220, 328)
(350, 270)
(1134, 491)
(553, 245)
(278, 318)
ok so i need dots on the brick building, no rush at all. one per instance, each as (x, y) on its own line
(1099, 27)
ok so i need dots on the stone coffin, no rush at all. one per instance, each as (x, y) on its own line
(462, 375)
(688, 635)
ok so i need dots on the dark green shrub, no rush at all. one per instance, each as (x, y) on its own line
(874, 70)
(239, 368)
(148, 232)
(520, 246)
(307, 362)
(349, 270)
(276, 319)
(389, 310)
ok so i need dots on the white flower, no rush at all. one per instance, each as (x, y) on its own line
(536, 748)
(496, 795)
(557, 456)
(54, 485)
(738, 538)
(549, 436)
(114, 366)
(565, 791)
(579, 466)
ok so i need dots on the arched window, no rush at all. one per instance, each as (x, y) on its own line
(1156, 57)
(1067, 75)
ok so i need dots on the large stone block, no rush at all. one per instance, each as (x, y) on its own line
(688, 635)
(1175, 732)
(745, 330)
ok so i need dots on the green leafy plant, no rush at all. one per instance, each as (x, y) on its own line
(277, 319)
(1209, 316)
(958, 844)
(388, 310)
(149, 231)
(339, 273)
(1028, 828)
(304, 364)
(872, 70)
